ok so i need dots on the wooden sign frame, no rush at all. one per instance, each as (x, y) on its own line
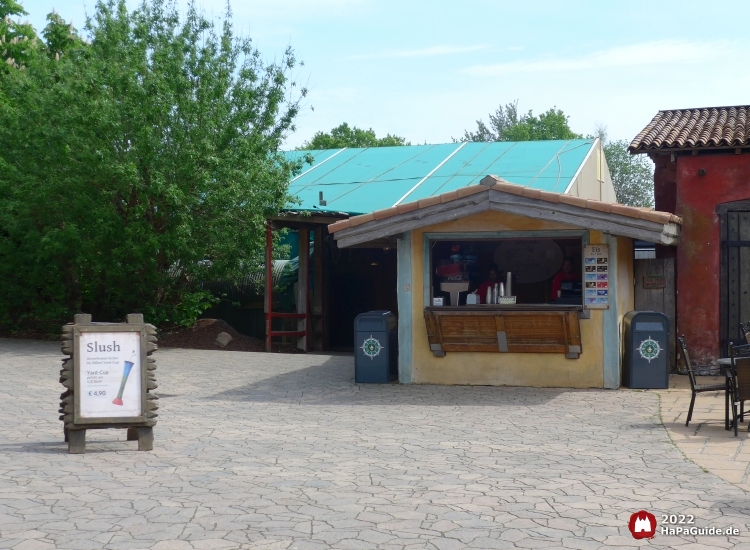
(139, 427)
(105, 328)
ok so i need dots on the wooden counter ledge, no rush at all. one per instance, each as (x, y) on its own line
(520, 328)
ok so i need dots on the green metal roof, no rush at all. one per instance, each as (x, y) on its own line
(360, 181)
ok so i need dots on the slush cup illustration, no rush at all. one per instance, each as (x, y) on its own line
(125, 373)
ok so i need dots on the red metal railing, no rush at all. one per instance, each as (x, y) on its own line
(270, 315)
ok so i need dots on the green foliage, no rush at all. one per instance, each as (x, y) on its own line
(138, 165)
(506, 124)
(632, 175)
(17, 40)
(59, 36)
(344, 136)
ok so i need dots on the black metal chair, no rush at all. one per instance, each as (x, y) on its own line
(695, 388)
(740, 381)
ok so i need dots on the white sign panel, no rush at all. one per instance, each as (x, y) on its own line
(110, 374)
(596, 276)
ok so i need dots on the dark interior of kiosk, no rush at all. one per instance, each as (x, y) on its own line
(533, 264)
(361, 279)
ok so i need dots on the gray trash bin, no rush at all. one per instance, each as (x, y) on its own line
(646, 361)
(376, 347)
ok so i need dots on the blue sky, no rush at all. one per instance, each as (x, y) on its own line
(428, 70)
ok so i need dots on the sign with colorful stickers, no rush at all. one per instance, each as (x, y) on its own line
(596, 276)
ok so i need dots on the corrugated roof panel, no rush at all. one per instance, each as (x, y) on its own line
(365, 180)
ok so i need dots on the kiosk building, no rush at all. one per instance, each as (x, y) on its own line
(410, 228)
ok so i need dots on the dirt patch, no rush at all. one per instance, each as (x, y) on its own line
(201, 336)
(30, 335)
(204, 333)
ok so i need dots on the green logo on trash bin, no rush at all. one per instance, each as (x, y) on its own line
(371, 347)
(649, 349)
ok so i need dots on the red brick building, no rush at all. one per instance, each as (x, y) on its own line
(702, 174)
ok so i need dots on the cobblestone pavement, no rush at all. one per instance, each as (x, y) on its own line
(705, 441)
(285, 451)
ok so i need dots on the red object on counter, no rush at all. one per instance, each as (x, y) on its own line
(450, 269)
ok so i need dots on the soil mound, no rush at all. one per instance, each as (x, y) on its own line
(204, 333)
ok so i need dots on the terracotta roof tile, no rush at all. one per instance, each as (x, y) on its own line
(429, 201)
(653, 216)
(500, 185)
(509, 188)
(407, 207)
(359, 220)
(385, 213)
(471, 190)
(573, 201)
(695, 128)
(339, 225)
(599, 206)
(447, 197)
(549, 197)
(621, 209)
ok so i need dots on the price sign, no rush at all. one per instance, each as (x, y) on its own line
(109, 375)
(596, 276)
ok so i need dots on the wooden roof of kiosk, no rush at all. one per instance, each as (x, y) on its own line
(494, 193)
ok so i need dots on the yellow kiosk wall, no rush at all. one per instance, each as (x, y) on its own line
(518, 369)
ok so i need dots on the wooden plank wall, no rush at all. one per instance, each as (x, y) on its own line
(658, 299)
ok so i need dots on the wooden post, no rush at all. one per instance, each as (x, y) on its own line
(317, 302)
(145, 438)
(269, 286)
(327, 255)
(77, 442)
(303, 285)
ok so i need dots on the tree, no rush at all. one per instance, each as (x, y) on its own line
(505, 124)
(632, 175)
(138, 165)
(59, 36)
(344, 136)
(17, 40)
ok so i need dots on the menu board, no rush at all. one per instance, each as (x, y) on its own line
(110, 375)
(530, 260)
(596, 276)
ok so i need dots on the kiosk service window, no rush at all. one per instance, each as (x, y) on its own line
(542, 270)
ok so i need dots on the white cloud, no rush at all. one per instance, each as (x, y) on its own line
(424, 52)
(645, 53)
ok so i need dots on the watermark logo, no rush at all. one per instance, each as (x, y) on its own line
(642, 525)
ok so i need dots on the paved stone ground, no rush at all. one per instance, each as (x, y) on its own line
(705, 441)
(275, 451)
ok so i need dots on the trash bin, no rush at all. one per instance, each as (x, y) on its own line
(376, 347)
(646, 361)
